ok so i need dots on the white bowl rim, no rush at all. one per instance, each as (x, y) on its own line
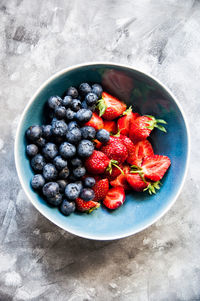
(79, 233)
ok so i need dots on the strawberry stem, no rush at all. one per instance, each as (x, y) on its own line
(113, 163)
(152, 187)
(101, 106)
(129, 110)
(153, 123)
(93, 208)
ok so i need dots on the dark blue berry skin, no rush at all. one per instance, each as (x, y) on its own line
(67, 101)
(76, 105)
(83, 115)
(73, 136)
(46, 131)
(59, 162)
(37, 181)
(88, 132)
(79, 171)
(67, 150)
(72, 91)
(67, 207)
(89, 182)
(97, 89)
(72, 191)
(75, 162)
(54, 120)
(34, 132)
(103, 136)
(70, 115)
(54, 102)
(85, 106)
(50, 151)
(50, 189)
(38, 162)
(59, 128)
(62, 184)
(60, 112)
(40, 142)
(72, 125)
(87, 194)
(64, 173)
(72, 178)
(85, 148)
(84, 89)
(55, 200)
(31, 150)
(80, 184)
(91, 99)
(49, 172)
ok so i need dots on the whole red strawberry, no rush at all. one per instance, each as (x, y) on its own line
(123, 122)
(130, 148)
(115, 172)
(96, 122)
(110, 126)
(114, 198)
(110, 107)
(83, 206)
(115, 150)
(100, 189)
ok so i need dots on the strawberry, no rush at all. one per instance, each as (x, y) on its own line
(110, 126)
(141, 128)
(97, 143)
(153, 168)
(114, 198)
(115, 150)
(83, 206)
(110, 107)
(100, 189)
(96, 122)
(115, 172)
(138, 183)
(142, 149)
(121, 179)
(130, 148)
(123, 122)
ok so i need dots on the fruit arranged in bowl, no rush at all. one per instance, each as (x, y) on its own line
(93, 149)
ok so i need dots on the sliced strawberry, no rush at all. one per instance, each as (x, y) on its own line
(114, 198)
(136, 182)
(121, 179)
(142, 149)
(123, 122)
(154, 167)
(100, 189)
(96, 121)
(83, 206)
(110, 107)
(110, 126)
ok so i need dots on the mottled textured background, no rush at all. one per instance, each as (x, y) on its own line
(39, 261)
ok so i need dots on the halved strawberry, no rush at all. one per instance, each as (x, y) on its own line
(83, 206)
(100, 189)
(123, 122)
(114, 198)
(110, 107)
(142, 149)
(121, 179)
(110, 126)
(136, 182)
(96, 122)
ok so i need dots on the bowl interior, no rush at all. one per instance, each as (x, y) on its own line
(146, 96)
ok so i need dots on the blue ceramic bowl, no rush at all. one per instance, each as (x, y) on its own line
(147, 96)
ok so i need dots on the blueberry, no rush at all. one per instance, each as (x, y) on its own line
(67, 150)
(50, 189)
(85, 148)
(37, 181)
(51, 114)
(50, 150)
(66, 101)
(72, 178)
(70, 115)
(91, 99)
(83, 115)
(64, 173)
(62, 184)
(40, 142)
(75, 162)
(79, 171)
(97, 89)
(59, 162)
(87, 194)
(80, 184)
(59, 128)
(89, 182)
(72, 191)
(31, 150)
(60, 112)
(67, 207)
(72, 125)
(46, 131)
(76, 105)
(84, 89)
(50, 172)
(72, 92)
(38, 162)
(54, 102)
(58, 139)
(88, 132)
(73, 136)
(85, 106)
(55, 200)
(103, 136)
(34, 132)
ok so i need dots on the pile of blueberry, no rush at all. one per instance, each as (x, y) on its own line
(57, 150)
